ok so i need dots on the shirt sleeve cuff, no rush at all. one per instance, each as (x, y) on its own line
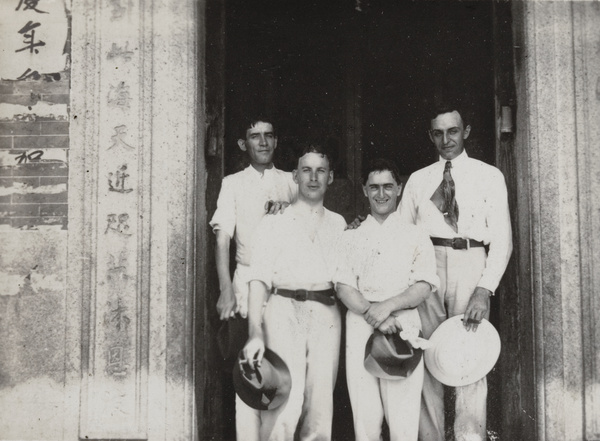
(216, 225)
(488, 284)
(433, 280)
(262, 278)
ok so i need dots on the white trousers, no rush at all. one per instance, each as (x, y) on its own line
(247, 419)
(373, 398)
(306, 335)
(459, 272)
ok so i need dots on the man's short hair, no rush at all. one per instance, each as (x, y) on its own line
(323, 150)
(449, 107)
(249, 123)
(379, 165)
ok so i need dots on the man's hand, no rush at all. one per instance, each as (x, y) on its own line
(274, 207)
(377, 313)
(356, 222)
(477, 309)
(227, 305)
(389, 326)
(253, 352)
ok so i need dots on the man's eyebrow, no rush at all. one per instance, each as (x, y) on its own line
(264, 133)
(447, 130)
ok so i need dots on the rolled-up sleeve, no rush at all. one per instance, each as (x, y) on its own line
(224, 218)
(424, 263)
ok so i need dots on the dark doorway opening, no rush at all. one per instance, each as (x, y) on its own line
(361, 76)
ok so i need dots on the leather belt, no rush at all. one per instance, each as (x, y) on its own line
(325, 296)
(458, 243)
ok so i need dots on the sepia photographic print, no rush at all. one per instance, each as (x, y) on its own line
(294, 220)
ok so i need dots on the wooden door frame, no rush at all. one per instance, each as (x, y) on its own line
(513, 301)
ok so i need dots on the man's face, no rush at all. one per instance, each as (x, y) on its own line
(260, 143)
(313, 176)
(383, 192)
(448, 134)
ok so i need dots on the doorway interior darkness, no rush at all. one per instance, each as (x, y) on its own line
(311, 64)
(359, 75)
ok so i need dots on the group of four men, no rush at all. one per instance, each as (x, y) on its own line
(401, 269)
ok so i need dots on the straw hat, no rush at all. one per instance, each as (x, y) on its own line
(459, 357)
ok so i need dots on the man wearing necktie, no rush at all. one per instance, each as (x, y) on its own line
(462, 203)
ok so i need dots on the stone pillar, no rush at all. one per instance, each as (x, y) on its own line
(134, 109)
(558, 127)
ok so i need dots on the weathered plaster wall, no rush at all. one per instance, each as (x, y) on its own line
(97, 300)
(558, 126)
(34, 148)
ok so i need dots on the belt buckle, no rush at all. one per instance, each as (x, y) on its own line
(460, 243)
(301, 295)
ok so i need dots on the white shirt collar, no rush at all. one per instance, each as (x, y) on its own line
(456, 161)
(258, 174)
(388, 220)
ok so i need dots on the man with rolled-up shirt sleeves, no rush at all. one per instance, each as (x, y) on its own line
(462, 204)
(245, 198)
(293, 262)
(386, 270)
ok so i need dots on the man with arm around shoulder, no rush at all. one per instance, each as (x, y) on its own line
(244, 199)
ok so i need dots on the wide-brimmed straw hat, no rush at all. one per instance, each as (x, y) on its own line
(263, 387)
(459, 357)
(389, 357)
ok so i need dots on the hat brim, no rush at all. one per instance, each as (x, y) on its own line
(392, 369)
(254, 398)
(459, 357)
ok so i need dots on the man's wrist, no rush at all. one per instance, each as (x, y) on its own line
(255, 332)
(482, 290)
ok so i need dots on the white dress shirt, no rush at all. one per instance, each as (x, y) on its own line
(383, 260)
(284, 256)
(482, 201)
(241, 204)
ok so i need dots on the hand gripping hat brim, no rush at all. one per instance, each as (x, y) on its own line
(459, 357)
(267, 386)
(389, 357)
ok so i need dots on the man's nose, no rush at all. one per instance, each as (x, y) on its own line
(263, 140)
(380, 192)
(313, 176)
(446, 138)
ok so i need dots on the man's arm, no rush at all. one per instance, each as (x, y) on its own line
(424, 281)
(352, 298)
(500, 249)
(226, 305)
(255, 346)
(412, 297)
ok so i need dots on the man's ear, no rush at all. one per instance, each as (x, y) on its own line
(242, 144)
(364, 188)
(466, 132)
(275, 143)
(430, 136)
(399, 189)
(330, 181)
(295, 175)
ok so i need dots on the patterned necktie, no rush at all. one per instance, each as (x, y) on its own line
(444, 199)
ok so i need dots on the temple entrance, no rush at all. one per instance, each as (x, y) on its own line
(361, 77)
